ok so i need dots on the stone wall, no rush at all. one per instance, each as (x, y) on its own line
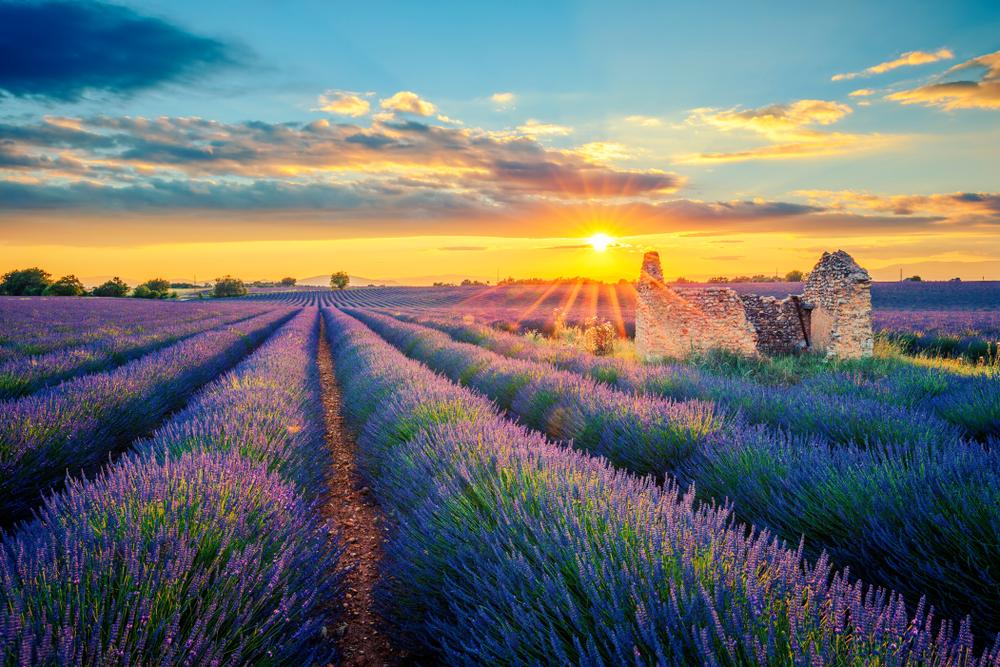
(840, 292)
(781, 325)
(835, 310)
(669, 324)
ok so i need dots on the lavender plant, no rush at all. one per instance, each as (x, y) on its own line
(508, 549)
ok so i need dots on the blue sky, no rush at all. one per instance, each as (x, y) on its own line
(736, 108)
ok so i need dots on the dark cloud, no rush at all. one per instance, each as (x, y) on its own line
(60, 51)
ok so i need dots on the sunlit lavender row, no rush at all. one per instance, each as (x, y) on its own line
(79, 423)
(205, 546)
(510, 549)
(874, 503)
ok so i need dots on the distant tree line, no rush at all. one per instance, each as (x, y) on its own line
(38, 282)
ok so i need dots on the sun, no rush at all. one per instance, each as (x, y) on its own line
(600, 241)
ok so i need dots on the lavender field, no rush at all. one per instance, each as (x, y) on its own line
(250, 481)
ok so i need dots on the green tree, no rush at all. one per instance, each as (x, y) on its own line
(66, 286)
(158, 286)
(288, 282)
(25, 282)
(913, 279)
(227, 286)
(115, 287)
(143, 292)
(339, 280)
(794, 276)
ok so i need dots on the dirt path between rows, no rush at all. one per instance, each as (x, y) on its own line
(353, 511)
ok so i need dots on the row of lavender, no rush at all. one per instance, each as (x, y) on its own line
(36, 325)
(910, 505)
(891, 401)
(204, 546)
(108, 344)
(508, 549)
(79, 423)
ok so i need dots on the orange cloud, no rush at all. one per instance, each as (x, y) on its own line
(963, 94)
(535, 128)
(406, 101)
(908, 59)
(862, 92)
(344, 103)
(789, 127)
(955, 207)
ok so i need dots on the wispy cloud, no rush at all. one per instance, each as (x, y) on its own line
(862, 92)
(908, 59)
(345, 103)
(536, 128)
(406, 101)
(983, 93)
(789, 127)
(62, 51)
(503, 101)
(956, 206)
(643, 121)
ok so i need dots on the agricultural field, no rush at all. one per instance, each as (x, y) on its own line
(383, 475)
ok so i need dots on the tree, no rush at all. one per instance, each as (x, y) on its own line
(115, 287)
(795, 276)
(158, 286)
(227, 286)
(339, 280)
(25, 282)
(913, 279)
(66, 286)
(143, 292)
(716, 280)
(288, 282)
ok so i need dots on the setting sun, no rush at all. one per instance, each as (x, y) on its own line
(600, 241)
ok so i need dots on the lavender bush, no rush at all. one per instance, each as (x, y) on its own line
(510, 550)
(848, 500)
(203, 547)
(78, 423)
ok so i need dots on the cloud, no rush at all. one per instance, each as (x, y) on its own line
(604, 151)
(774, 119)
(345, 103)
(62, 51)
(464, 248)
(503, 101)
(409, 102)
(116, 163)
(643, 121)
(535, 128)
(981, 207)
(790, 128)
(961, 94)
(862, 92)
(908, 59)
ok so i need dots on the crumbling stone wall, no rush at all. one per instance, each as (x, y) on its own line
(833, 315)
(668, 324)
(781, 324)
(840, 292)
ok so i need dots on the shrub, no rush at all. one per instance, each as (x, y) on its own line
(599, 337)
(25, 282)
(115, 287)
(66, 286)
(227, 286)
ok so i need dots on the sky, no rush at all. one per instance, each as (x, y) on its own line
(421, 142)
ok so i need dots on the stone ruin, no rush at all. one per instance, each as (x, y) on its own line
(832, 316)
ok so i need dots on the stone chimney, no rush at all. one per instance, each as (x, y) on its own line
(841, 321)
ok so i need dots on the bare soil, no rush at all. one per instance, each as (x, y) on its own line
(353, 510)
